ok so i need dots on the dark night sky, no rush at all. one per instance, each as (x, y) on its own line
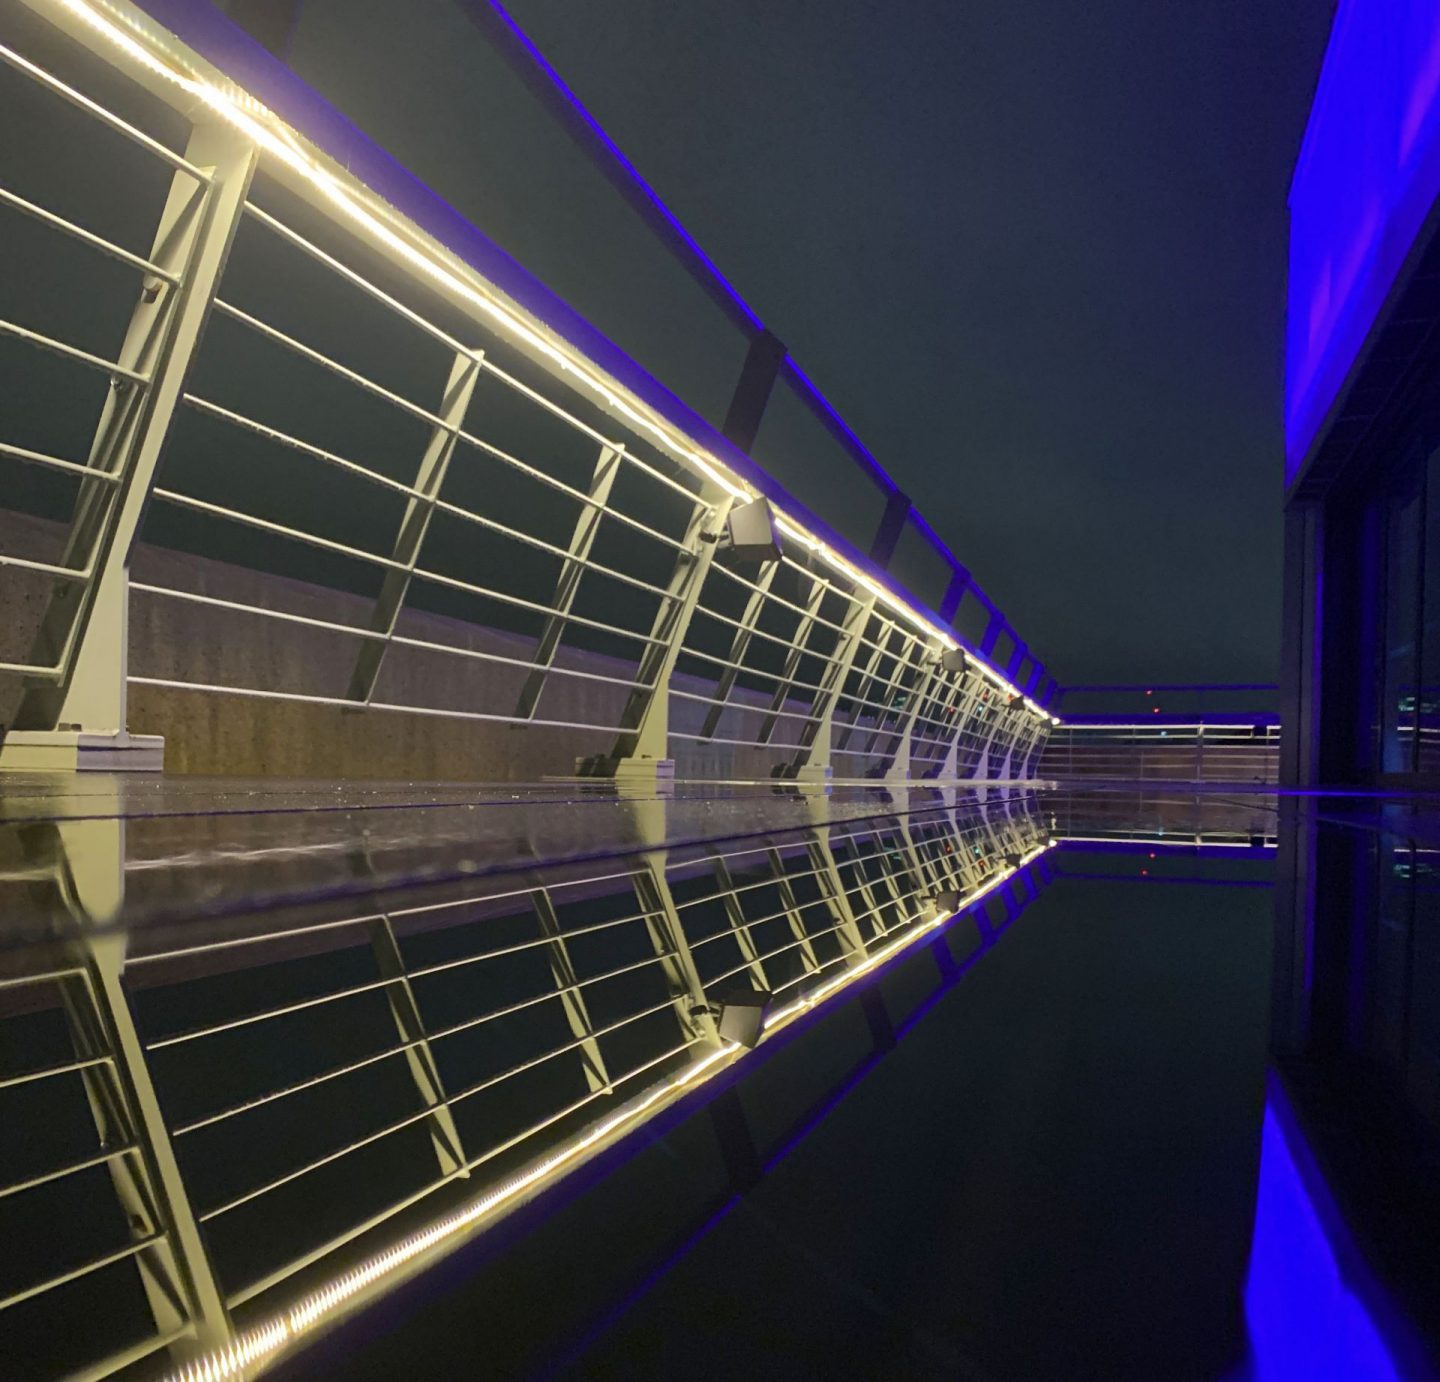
(1033, 251)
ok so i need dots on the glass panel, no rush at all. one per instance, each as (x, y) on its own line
(1402, 590)
(1428, 702)
(1422, 1075)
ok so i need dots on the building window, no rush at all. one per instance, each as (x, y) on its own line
(1405, 522)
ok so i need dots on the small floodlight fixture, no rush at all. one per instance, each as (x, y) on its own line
(750, 533)
(741, 1013)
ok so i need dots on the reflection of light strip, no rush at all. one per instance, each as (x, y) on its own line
(258, 1345)
(788, 1013)
(1161, 726)
(285, 146)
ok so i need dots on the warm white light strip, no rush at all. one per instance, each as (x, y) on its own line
(261, 1343)
(1177, 841)
(1164, 726)
(270, 133)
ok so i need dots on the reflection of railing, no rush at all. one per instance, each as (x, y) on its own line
(1210, 751)
(1147, 819)
(290, 1115)
(401, 491)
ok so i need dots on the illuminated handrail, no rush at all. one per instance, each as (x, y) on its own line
(634, 631)
(1195, 750)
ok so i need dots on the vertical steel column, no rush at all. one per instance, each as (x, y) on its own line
(934, 708)
(667, 936)
(572, 999)
(812, 755)
(752, 393)
(898, 673)
(169, 1252)
(419, 509)
(739, 646)
(959, 693)
(869, 677)
(735, 916)
(896, 765)
(881, 854)
(793, 657)
(954, 594)
(640, 752)
(991, 698)
(175, 1270)
(832, 886)
(567, 586)
(420, 1059)
(891, 526)
(82, 632)
(975, 724)
(794, 913)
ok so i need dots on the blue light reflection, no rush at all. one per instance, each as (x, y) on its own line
(1305, 1321)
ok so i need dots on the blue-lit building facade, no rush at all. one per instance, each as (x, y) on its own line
(1357, 956)
(1362, 409)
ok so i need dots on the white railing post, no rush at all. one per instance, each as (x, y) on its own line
(184, 1297)
(810, 762)
(641, 754)
(78, 719)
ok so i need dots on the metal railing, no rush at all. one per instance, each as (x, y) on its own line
(245, 1125)
(1211, 751)
(399, 490)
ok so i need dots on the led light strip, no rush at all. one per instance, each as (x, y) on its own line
(1163, 726)
(260, 1344)
(257, 123)
(1175, 841)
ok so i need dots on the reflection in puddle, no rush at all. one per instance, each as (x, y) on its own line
(274, 1052)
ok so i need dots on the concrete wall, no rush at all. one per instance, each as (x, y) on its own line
(208, 733)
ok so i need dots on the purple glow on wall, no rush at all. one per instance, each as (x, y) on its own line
(1367, 177)
(1306, 1319)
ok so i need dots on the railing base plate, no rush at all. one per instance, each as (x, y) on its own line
(75, 751)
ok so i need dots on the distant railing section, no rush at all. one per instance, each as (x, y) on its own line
(1213, 750)
(459, 514)
(1149, 819)
(238, 1128)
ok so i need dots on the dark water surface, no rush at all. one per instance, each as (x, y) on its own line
(1053, 1174)
(1049, 1138)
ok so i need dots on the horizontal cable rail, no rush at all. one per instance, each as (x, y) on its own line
(1196, 751)
(400, 493)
